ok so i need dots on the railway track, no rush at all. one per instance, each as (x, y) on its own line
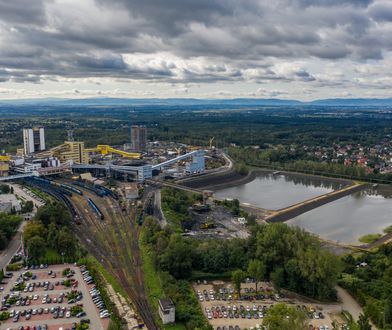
(114, 242)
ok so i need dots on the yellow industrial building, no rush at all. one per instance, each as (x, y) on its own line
(76, 152)
(4, 165)
(68, 151)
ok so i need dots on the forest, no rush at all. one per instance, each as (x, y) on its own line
(241, 125)
(290, 258)
(368, 277)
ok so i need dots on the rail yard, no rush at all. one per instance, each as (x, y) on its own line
(112, 237)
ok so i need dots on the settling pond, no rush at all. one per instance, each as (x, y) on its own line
(344, 220)
(274, 192)
(347, 219)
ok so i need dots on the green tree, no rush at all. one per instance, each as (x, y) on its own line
(3, 240)
(52, 235)
(177, 258)
(35, 247)
(256, 269)
(388, 311)
(238, 277)
(4, 189)
(55, 212)
(33, 228)
(364, 323)
(283, 317)
(27, 207)
(278, 278)
(66, 243)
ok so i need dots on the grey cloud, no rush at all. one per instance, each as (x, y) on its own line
(22, 11)
(102, 63)
(228, 37)
(360, 3)
(381, 12)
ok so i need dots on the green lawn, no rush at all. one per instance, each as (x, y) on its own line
(369, 238)
(51, 254)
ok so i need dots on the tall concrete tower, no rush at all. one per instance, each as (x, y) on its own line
(138, 137)
(33, 140)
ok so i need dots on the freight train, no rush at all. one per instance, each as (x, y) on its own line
(61, 185)
(56, 192)
(98, 189)
(96, 209)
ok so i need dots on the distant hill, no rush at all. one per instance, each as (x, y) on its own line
(354, 102)
(191, 101)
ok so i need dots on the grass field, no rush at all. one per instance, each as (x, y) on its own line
(369, 238)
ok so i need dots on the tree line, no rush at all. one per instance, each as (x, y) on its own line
(368, 277)
(281, 159)
(49, 230)
(9, 224)
(290, 257)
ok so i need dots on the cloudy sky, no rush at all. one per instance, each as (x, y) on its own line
(302, 49)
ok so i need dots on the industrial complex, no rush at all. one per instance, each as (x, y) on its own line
(141, 162)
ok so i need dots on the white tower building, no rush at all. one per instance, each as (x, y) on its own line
(33, 140)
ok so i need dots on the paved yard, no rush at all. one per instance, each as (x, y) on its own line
(42, 275)
(230, 309)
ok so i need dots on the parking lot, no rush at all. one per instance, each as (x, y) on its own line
(225, 311)
(56, 297)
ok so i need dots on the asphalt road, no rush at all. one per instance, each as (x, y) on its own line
(15, 243)
(13, 247)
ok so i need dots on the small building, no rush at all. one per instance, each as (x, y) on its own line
(167, 310)
(9, 202)
(131, 191)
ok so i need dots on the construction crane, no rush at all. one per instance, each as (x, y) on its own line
(5, 158)
(211, 140)
(105, 149)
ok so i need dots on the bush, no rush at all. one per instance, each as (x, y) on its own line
(14, 267)
(75, 310)
(66, 271)
(4, 316)
(67, 283)
(19, 287)
(72, 295)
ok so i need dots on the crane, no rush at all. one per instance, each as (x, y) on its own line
(105, 149)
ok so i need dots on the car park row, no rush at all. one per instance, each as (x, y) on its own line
(95, 294)
(226, 310)
(48, 298)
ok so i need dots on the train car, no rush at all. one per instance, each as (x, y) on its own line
(65, 192)
(96, 191)
(58, 193)
(108, 191)
(96, 209)
(73, 189)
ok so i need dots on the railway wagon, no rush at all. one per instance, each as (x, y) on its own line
(96, 209)
(96, 191)
(62, 185)
(58, 193)
(108, 191)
